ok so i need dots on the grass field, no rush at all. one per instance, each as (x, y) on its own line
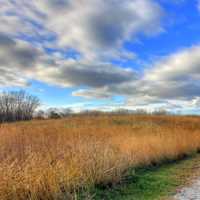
(159, 182)
(65, 158)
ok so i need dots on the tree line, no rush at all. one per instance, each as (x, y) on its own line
(17, 106)
(56, 113)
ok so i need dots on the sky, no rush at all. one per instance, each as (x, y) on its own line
(103, 54)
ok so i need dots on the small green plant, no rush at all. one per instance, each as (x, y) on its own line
(150, 183)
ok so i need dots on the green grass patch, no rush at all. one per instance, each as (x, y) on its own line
(150, 183)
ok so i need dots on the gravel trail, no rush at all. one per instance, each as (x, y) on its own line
(191, 192)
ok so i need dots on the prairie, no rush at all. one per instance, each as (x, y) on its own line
(64, 158)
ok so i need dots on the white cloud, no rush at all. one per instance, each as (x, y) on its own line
(10, 78)
(97, 29)
(19, 59)
(176, 76)
(172, 82)
(93, 27)
(100, 93)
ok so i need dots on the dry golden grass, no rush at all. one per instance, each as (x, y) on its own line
(54, 159)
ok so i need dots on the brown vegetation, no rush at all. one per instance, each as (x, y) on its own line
(55, 159)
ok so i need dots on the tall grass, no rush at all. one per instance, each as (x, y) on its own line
(55, 159)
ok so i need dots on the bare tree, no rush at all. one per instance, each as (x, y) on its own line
(16, 106)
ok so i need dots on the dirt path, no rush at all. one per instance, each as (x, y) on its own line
(191, 192)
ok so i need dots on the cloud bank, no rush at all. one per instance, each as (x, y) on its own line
(175, 78)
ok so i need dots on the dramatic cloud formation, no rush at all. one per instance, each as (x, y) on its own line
(74, 43)
(92, 27)
(95, 29)
(176, 77)
(18, 57)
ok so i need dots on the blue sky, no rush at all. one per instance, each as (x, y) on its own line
(103, 54)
